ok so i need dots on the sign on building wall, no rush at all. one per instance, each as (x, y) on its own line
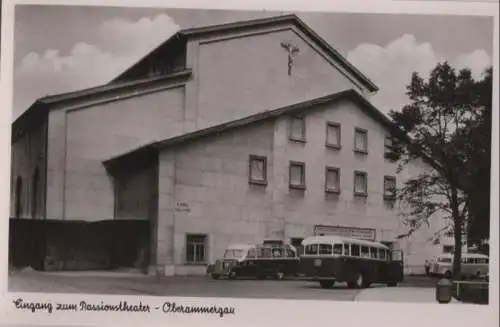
(368, 234)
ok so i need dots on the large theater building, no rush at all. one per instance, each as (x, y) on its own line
(225, 134)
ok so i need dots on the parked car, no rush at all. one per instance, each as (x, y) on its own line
(474, 265)
(257, 260)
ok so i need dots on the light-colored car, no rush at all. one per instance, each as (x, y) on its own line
(474, 265)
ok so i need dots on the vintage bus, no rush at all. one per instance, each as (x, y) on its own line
(258, 261)
(474, 265)
(330, 259)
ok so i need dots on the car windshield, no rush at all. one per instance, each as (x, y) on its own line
(234, 254)
(444, 260)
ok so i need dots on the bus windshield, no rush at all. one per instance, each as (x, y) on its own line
(234, 254)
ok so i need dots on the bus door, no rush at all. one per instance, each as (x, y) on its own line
(396, 265)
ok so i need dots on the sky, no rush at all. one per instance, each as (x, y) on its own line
(59, 49)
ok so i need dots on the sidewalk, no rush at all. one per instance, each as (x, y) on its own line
(399, 294)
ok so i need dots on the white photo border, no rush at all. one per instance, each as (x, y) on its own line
(250, 312)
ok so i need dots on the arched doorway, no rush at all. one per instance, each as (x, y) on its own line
(35, 194)
(19, 195)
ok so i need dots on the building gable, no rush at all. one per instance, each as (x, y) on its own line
(172, 54)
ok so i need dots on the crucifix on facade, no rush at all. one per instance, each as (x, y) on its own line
(292, 50)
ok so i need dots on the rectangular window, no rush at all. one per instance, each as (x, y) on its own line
(333, 135)
(383, 254)
(361, 140)
(365, 252)
(374, 253)
(297, 129)
(257, 170)
(448, 248)
(337, 249)
(325, 249)
(297, 175)
(346, 249)
(332, 180)
(450, 233)
(387, 146)
(311, 249)
(355, 250)
(389, 187)
(360, 183)
(195, 248)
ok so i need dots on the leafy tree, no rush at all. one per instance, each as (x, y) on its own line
(477, 184)
(445, 112)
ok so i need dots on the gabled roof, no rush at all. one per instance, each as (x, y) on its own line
(248, 25)
(259, 117)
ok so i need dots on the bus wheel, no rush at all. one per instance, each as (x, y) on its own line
(326, 283)
(215, 276)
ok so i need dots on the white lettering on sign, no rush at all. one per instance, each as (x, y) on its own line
(367, 234)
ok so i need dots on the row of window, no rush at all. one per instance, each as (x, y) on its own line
(297, 177)
(465, 260)
(352, 250)
(297, 133)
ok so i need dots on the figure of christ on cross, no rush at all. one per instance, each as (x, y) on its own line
(292, 50)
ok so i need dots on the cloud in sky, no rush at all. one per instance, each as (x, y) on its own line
(390, 67)
(120, 44)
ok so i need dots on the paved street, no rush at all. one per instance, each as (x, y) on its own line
(202, 286)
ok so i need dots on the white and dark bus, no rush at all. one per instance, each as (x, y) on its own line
(360, 263)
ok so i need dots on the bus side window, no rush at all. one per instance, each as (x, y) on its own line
(354, 250)
(311, 249)
(346, 250)
(337, 249)
(374, 253)
(365, 252)
(382, 254)
(471, 261)
(325, 249)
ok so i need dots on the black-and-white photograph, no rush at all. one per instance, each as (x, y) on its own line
(251, 154)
